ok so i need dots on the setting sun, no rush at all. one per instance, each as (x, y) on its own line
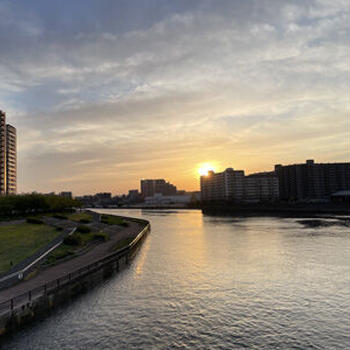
(205, 168)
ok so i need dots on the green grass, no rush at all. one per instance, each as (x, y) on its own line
(61, 252)
(80, 216)
(18, 242)
(113, 220)
(65, 250)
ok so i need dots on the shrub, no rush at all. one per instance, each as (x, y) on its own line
(113, 220)
(100, 236)
(125, 224)
(74, 239)
(59, 228)
(34, 221)
(104, 219)
(83, 229)
(84, 221)
(60, 217)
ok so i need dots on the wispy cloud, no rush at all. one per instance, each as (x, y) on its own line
(107, 102)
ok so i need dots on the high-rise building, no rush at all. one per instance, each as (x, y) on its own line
(2, 153)
(151, 187)
(232, 185)
(227, 185)
(312, 181)
(11, 160)
(261, 187)
(8, 157)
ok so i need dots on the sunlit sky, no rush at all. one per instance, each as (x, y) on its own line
(104, 93)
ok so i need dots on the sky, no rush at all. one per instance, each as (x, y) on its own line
(106, 92)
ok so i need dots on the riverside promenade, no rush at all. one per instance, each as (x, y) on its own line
(67, 267)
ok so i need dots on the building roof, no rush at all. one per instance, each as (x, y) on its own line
(341, 193)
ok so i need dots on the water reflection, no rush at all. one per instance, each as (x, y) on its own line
(143, 256)
(202, 282)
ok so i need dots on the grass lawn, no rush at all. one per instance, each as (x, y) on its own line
(59, 253)
(18, 242)
(65, 250)
(80, 216)
(113, 220)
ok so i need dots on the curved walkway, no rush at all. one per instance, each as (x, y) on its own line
(69, 266)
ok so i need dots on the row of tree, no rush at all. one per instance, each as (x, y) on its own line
(35, 203)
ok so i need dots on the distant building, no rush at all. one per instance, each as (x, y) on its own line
(134, 196)
(160, 200)
(195, 196)
(86, 201)
(8, 157)
(103, 199)
(103, 196)
(227, 185)
(151, 187)
(99, 200)
(312, 181)
(66, 194)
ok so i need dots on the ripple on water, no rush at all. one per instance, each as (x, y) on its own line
(214, 283)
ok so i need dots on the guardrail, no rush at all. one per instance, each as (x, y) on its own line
(18, 301)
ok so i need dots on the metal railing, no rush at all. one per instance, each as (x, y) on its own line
(25, 299)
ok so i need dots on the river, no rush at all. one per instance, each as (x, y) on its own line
(201, 282)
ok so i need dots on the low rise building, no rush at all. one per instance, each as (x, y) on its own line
(159, 199)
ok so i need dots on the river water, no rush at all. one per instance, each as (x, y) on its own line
(201, 282)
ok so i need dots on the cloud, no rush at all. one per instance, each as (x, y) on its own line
(227, 80)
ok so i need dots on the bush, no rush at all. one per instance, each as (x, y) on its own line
(100, 236)
(59, 228)
(104, 219)
(60, 217)
(113, 220)
(34, 221)
(84, 221)
(83, 229)
(74, 239)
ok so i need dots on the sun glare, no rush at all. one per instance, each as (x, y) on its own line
(204, 169)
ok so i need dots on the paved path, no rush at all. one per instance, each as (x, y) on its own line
(69, 266)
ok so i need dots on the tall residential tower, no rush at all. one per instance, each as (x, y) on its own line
(8, 157)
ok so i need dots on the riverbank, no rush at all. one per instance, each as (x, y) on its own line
(277, 209)
(28, 300)
(62, 236)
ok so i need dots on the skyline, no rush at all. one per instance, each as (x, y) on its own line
(173, 85)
